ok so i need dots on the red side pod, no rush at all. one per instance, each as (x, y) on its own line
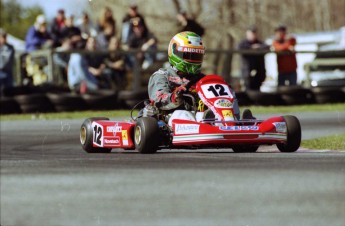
(113, 134)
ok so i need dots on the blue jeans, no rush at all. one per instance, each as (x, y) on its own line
(291, 77)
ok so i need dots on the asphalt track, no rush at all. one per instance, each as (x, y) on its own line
(46, 179)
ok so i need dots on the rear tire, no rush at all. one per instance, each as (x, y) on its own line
(146, 135)
(86, 136)
(245, 148)
(294, 135)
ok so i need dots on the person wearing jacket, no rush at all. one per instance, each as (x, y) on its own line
(6, 62)
(37, 36)
(287, 63)
(186, 52)
(252, 66)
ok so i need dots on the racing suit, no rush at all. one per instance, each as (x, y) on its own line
(164, 82)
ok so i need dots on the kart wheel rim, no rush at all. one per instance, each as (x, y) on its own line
(137, 136)
(83, 135)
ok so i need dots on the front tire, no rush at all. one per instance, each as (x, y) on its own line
(146, 135)
(86, 136)
(294, 135)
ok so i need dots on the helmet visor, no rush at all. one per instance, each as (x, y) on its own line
(193, 55)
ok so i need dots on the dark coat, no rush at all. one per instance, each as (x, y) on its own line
(253, 63)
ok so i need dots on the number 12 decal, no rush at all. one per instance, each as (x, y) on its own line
(216, 90)
(97, 134)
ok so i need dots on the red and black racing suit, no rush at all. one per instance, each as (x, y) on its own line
(163, 83)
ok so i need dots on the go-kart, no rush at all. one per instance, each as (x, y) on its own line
(208, 123)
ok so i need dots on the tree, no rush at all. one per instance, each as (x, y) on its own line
(16, 19)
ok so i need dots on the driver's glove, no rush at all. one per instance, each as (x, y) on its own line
(177, 94)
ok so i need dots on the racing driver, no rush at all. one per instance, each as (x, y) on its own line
(166, 86)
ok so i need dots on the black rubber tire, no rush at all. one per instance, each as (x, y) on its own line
(67, 101)
(294, 95)
(9, 106)
(245, 148)
(243, 99)
(265, 99)
(17, 90)
(86, 136)
(294, 135)
(101, 100)
(146, 135)
(34, 103)
(325, 95)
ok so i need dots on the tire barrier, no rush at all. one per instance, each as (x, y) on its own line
(22, 100)
(102, 100)
(33, 103)
(67, 102)
(325, 95)
(130, 98)
(8, 105)
(265, 99)
(295, 95)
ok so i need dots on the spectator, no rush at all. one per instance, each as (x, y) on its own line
(287, 64)
(252, 66)
(189, 24)
(95, 61)
(70, 30)
(132, 17)
(56, 27)
(6, 62)
(37, 36)
(61, 58)
(86, 26)
(115, 64)
(106, 19)
(145, 41)
(104, 37)
(79, 77)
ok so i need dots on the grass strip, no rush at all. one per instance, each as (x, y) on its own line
(335, 142)
(126, 113)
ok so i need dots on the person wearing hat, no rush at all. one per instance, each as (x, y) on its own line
(252, 66)
(37, 36)
(6, 61)
(287, 63)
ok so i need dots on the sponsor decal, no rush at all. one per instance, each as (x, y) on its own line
(190, 50)
(124, 137)
(114, 129)
(280, 126)
(186, 128)
(115, 140)
(223, 103)
(238, 128)
(227, 114)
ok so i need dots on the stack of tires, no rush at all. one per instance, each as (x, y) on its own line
(295, 95)
(129, 99)
(325, 95)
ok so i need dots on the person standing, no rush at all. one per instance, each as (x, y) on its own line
(132, 18)
(56, 27)
(252, 66)
(287, 63)
(6, 61)
(189, 24)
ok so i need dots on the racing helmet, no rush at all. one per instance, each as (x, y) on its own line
(186, 52)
